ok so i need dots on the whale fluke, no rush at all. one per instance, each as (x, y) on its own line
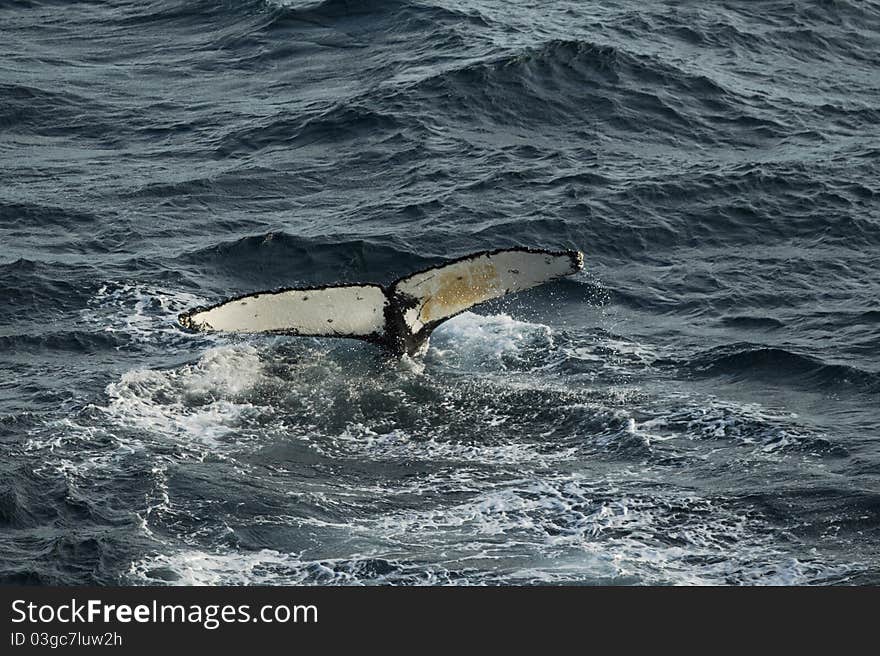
(399, 317)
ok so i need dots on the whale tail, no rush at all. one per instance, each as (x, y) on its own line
(399, 317)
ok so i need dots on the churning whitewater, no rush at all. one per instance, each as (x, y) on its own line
(699, 405)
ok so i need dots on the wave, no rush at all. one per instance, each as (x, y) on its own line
(771, 200)
(36, 543)
(752, 322)
(577, 84)
(53, 113)
(68, 340)
(14, 512)
(760, 430)
(30, 500)
(242, 23)
(851, 509)
(187, 11)
(551, 85)
(809, 36)
(58, 558)
(744, 361)
(403, 14)
(340, 124)
(13, 425)
(30, 214)
(280, 259)
(22, 99)
(33, 291)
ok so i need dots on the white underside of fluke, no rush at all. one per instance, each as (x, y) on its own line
(355, 311)
(401, 316)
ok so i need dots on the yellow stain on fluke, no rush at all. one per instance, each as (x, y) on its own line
(459, 289)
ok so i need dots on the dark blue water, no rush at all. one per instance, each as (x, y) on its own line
(701, 405)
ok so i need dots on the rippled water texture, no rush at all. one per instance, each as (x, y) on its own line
(700, 406)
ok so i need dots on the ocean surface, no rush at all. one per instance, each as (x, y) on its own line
(701, 405)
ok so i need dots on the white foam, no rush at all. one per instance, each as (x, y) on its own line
(606, 355)
(194, 567)
(478, 341)
(195, 407)
(557, 529)
(589, 530)
(202, 401)
(141, 312)
(271, 567)
(764, 429)
(357, 441)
